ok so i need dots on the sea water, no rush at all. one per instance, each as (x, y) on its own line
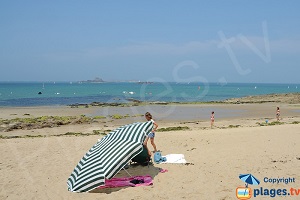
(65, 93)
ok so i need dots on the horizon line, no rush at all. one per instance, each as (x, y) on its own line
(134, 81)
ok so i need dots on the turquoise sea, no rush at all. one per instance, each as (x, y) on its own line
(64, 93)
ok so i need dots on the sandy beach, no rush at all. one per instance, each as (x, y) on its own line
(241, 142)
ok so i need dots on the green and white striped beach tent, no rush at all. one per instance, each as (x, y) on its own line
(108, 156)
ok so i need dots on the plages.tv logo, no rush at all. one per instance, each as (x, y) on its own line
(245, 192)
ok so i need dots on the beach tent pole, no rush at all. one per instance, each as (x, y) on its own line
(127, 172)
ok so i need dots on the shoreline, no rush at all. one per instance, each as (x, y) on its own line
(196, 117)
(290, 98)
(250, 106)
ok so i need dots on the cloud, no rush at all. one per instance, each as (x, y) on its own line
(242, 43)
(290, 46)
(239, 44)
(154, 49)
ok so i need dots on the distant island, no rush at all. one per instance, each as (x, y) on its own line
(100, 80)
(144, 82)
(96, 80)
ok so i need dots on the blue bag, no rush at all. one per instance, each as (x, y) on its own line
(158, 158)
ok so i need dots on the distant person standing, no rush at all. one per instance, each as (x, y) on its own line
(278, 113)
(212, 119)
(151, 135)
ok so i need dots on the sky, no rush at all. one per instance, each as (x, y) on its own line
(171, 40)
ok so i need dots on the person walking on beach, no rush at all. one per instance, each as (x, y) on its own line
(151, 135)
(277, 113)
(212, 119)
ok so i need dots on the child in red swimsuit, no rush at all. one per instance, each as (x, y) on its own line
(212, 119)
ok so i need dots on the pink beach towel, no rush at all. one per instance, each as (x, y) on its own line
(128, 181)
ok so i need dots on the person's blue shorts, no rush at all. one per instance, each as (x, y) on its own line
(151, 135)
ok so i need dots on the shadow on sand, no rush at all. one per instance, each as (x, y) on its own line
(133, 170)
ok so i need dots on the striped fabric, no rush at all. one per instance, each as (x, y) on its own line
(108, 156)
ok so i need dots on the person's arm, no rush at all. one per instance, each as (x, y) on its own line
(155, 126)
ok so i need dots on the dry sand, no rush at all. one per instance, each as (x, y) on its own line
(38, 168)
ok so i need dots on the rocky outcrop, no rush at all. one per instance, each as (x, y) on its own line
(291, 98)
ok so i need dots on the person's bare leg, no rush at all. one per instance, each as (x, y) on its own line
(153, 144)
(145, 144)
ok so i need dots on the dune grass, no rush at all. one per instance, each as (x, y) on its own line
(177, 128)
(270, 123)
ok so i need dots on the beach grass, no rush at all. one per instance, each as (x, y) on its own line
(270, 124)
(42, 122)
(95, 132)
(233, 126)
(295, 122)
(99, 117)
(177, 128)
